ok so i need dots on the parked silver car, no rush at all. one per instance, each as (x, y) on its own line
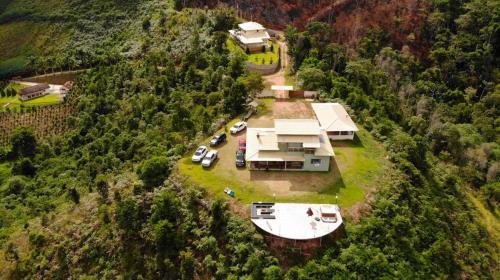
(199, 154)
(209, 158)
(237, 127)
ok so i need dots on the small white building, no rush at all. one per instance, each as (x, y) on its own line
(251, 36)
(34, 91)
(335, 120)
(296, 222)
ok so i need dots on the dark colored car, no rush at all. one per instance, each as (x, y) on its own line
(243, 144)
(240, 159)
(218, 139)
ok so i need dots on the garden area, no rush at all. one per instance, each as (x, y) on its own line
(261, 58)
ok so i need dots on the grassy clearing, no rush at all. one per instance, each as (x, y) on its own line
(268, 57)
(358, 167)
(14, 66)
(25, 38)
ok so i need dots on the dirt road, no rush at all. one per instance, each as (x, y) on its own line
(278, 78)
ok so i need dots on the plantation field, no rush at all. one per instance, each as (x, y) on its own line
(256, 58)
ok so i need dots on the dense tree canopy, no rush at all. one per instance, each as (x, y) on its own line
(439, 121)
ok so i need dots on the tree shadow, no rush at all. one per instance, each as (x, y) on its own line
(223, 144)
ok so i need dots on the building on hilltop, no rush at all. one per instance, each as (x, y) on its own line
(296, 225)
(33, 91)
(292, 145)
(251, 36)
(335, 120)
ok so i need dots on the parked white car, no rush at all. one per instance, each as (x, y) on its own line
(237, 127)
(199, 154)
(209, 158)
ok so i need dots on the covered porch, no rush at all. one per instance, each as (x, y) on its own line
(277, 165)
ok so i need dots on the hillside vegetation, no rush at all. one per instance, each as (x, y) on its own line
(103, 200)
(42, 36)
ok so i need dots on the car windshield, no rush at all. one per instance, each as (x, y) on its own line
(198, 152)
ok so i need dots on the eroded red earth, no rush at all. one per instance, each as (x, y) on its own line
(350, 19)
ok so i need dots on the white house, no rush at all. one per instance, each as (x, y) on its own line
(251, 36)
(335, 120)
(292, 145)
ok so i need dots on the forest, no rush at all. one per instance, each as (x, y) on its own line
(103, 199)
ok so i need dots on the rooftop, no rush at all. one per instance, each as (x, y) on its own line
(292, 221)
(256, 38)
(297, 127)
(34, 88)
(251, 25)
(333, 117)
(263, 143)
(309, 141)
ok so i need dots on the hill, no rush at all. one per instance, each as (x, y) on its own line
(105, 200)
(41, 36)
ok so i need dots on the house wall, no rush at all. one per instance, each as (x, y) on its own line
(323, 166)
(253, 33)
(349, 136)
(254, 48)
(33, 95)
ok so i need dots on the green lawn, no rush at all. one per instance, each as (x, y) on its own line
(358, 167)
(13, 102)
(257, 58)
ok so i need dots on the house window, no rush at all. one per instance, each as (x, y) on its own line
(334, 133)
(295, 147)
(309, 151)
(316, 162)
(344, 133)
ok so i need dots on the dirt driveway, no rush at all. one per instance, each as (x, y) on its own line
(270, 109)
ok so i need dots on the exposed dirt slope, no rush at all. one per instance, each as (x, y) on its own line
(350, 19)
